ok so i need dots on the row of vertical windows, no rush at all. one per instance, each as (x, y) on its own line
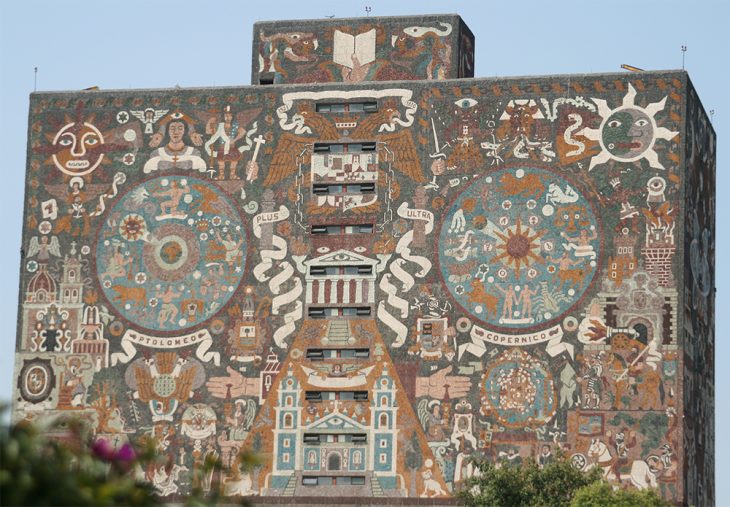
(324, 312)
(340, 270)
(310, 480)
(342, 229)
(353, 188)
(335, 438)
(347, 107)
(320, 354)
(336, 395)
(363, 147)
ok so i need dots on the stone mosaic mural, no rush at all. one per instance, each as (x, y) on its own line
(371, 284)
(362, 49)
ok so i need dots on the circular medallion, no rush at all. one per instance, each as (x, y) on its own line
(519, 390)
(171, 253)
(36, 380)
(518, 248)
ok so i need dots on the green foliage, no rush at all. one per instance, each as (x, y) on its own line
(654, 427)
(37, 470)
(71, 468)
(526, 486)
(602, 494)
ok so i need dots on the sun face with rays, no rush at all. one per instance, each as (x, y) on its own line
(629, 132)
(518, 247)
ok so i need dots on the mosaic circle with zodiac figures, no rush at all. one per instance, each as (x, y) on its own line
(171, 253)
(519, 247)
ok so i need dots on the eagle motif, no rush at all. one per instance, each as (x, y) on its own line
(291, 147)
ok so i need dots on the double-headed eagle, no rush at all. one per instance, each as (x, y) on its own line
(325, 129)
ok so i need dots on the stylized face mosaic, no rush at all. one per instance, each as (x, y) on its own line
(167, 259)
(79, 149)
(628, 133)
(519, 247)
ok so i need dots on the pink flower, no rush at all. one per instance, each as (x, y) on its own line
(125, 454)
(102, 449)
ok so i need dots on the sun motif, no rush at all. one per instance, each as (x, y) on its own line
(518, 247)
(629, 132)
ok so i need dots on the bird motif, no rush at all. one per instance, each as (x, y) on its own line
(323, 129)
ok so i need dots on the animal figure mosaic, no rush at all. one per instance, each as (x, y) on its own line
(373, 284)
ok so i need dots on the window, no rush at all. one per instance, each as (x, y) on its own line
(315, 354)
(347, 107)
(383, 424)
(313, 396)
(288, 421)
(309, 481)
(383, 457)
(311, 439)
(266, 78)
(285, 457)
(316, 313)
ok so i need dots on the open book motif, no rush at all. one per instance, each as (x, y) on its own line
(361, 45)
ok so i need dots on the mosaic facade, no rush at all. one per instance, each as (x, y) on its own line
(371, 283)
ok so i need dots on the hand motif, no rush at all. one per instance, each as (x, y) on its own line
(234, 385)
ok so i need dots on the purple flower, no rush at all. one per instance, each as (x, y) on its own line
(125, 454)
(102, 449)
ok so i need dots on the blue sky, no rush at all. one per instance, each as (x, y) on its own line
(141, 44)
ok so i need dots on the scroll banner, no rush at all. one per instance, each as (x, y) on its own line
(276, 281)
(201, 338)
(407, 280)
(119, 179)
(552, 337)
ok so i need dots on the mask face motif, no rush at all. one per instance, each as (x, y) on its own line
(628, 133)
(79, 149)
